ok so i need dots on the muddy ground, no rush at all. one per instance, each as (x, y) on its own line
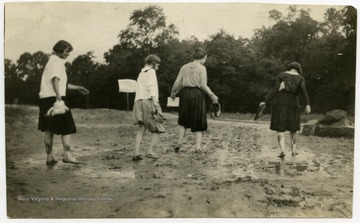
(238, 174)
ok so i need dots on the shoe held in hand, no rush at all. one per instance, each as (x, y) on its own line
(58, 108)
(260, 111)
(215, 110)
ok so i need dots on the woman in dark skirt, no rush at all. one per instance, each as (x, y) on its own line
(191, 83)
(53, 89)
(58, 124)
(285, 109)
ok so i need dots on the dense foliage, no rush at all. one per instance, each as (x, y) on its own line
(240, 71)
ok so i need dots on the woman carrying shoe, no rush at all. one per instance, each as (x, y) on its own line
(285, 110)
(53, 89)
(191, 84)
(146, 102)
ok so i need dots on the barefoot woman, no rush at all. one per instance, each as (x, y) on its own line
(285, 111)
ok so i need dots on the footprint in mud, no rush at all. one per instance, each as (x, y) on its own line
(114, 167)
(289, 168)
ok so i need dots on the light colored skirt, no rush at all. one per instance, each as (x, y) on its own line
(143, 114)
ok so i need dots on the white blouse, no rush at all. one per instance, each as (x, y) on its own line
(147, 85)
(54, 68)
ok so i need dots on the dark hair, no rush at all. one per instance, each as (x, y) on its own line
(152, 59)
(199, 53)
(296, 66)
(61, 46)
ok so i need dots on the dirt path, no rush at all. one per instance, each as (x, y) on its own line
(237, 175)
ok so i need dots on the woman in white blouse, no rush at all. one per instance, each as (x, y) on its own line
(146, 102)
(53, 89)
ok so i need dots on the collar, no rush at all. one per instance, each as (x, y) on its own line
(146, 69)
(292, 73)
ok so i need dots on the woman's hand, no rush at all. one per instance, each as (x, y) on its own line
(58, 98)
(282, 86)
(83, 90)
(156, 104)
(307, 109)
(215, 99)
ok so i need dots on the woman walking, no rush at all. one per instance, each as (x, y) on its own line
(53, 89)
(285, 110)
(191, 84)
(146, 103)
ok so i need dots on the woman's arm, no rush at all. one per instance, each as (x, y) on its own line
(55, 83)
(205, 87)
(273, 92)
(305, 95)
(151, 82)
(177, 84)
(152, 86)
(81, 89)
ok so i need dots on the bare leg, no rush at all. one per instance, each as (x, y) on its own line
(293, 143)
(138, 139)
(154, 139)
(66, 141)
(281, 141)
(48, 141)
(198, 136)
(182, 131)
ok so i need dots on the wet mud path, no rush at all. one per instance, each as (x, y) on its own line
(237, 175)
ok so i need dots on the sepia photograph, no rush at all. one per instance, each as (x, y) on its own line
(179, 111)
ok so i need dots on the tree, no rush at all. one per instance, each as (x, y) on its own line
(30, 68)
(147, 33)
(240, 71)
(349, 24)
(288, 39)
(83, 71)
(320, 47)
(231, 69)
(336, 61)
(147, 29)
(13, 83)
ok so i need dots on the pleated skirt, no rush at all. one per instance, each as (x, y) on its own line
(59, 124)
(192, 109)
(285, 118)
(142, 113)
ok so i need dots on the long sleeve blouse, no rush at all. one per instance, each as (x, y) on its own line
(294, 86)
(192, 74)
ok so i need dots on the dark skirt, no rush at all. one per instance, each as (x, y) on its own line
(59, 124)
(285, 118)
(192, 109)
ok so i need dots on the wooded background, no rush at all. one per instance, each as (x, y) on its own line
(241, 71)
